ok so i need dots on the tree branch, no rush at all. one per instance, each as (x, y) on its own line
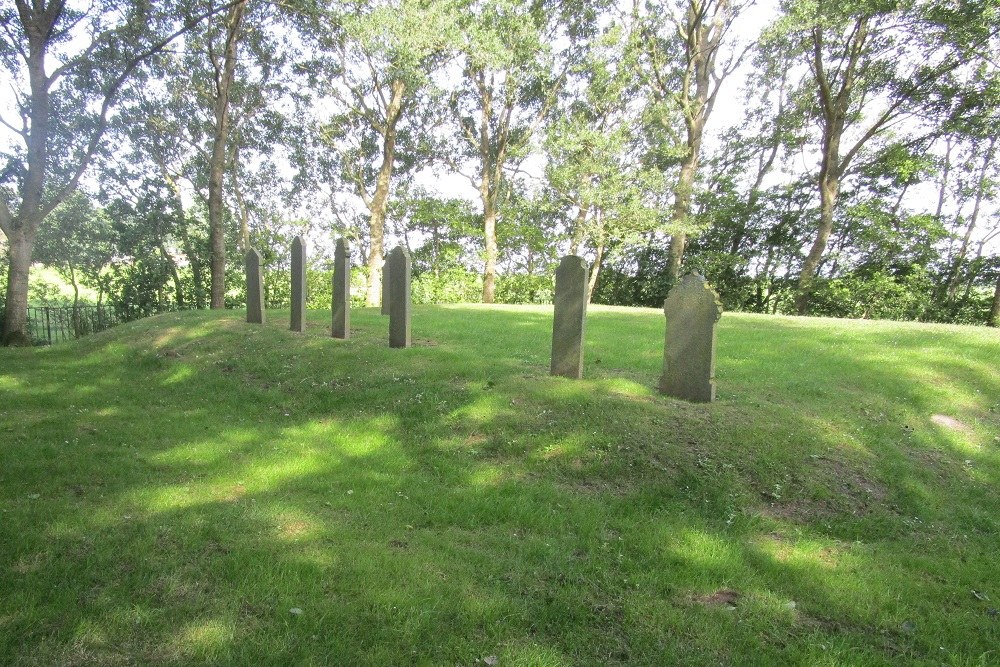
(6, 219)
(110, 98)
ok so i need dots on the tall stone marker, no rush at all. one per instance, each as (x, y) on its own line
(298, 284)
(342, 290)
(385, 286)
(692, 309)
(255, 288)
(399, 297)
(569, 318)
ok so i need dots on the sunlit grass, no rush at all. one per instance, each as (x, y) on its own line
(172, 489)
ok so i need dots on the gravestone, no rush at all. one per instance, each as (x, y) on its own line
(298, 284)
(570, 314)
(342, 290)
(385, 286)
(692, 309)
(399, 297)
(255, 288)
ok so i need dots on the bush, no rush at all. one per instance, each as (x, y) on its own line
(876, 296)
(524, 289)
(454, 285)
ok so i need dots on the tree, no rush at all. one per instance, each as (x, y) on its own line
(870, 66)
(68, 67)
(77, 241)
(169, 130)
(689, 78)
(224, 71)
(509, 83)
(375, 64)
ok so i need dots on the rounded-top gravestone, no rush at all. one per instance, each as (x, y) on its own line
(692, 310)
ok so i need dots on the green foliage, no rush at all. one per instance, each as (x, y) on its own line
(516, 288)
(634, 276)
(455, 284)
(78, 240)
(876, 296)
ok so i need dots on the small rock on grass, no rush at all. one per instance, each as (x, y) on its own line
(296, 611)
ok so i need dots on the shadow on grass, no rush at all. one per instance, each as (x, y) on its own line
(171, 493)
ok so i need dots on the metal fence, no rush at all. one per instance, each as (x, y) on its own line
(47, 324)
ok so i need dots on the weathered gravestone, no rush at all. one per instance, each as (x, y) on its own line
(385, 286)
(692, 309)
(298, 284)
(342, 290)
(255, 288)
(399, 297)
(570, 314)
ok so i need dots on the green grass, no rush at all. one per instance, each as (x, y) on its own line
(171, 489)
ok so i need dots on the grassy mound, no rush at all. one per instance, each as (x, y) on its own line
(193, 489)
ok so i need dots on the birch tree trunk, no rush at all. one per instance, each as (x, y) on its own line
(224, 75)
(380, 198)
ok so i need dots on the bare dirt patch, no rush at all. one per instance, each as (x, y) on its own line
(724, 597)
(294, 529)
(951, 423)
(853, 492)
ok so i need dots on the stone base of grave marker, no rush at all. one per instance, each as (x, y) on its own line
(569, 317)
(298, 284)
(255, 288)
(342, 290)
(692, 310)
(399, 297)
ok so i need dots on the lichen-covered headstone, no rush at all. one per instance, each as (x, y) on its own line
(570, 314)
(255, 288)
(399, 297)
(692, 309)
(298, 284)
(385, 287)
(342, 290)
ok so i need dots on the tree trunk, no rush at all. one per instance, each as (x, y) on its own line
(682, 201)
(197, 270)
(380, 199)
(675, 254)
(217, 164)
(244, 240)
(829, 189)
(579, 233)
(702, 41)
(15, 321)
(488, 187)
(174, 275)
(21, 230)
(77, 330)
(995, 311)
(955, 272)
(595, 269)
(834, 105)
(490, 234)
(599, 239)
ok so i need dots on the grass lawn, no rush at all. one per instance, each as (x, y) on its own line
(191, 489)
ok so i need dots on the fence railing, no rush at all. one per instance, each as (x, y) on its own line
(50, 324)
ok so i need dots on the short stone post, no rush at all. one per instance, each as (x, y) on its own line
(385, 286)
(399, 297)
(298, 284)
(255, 288)
(692, 309)
(342, 290)
(570, 315)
